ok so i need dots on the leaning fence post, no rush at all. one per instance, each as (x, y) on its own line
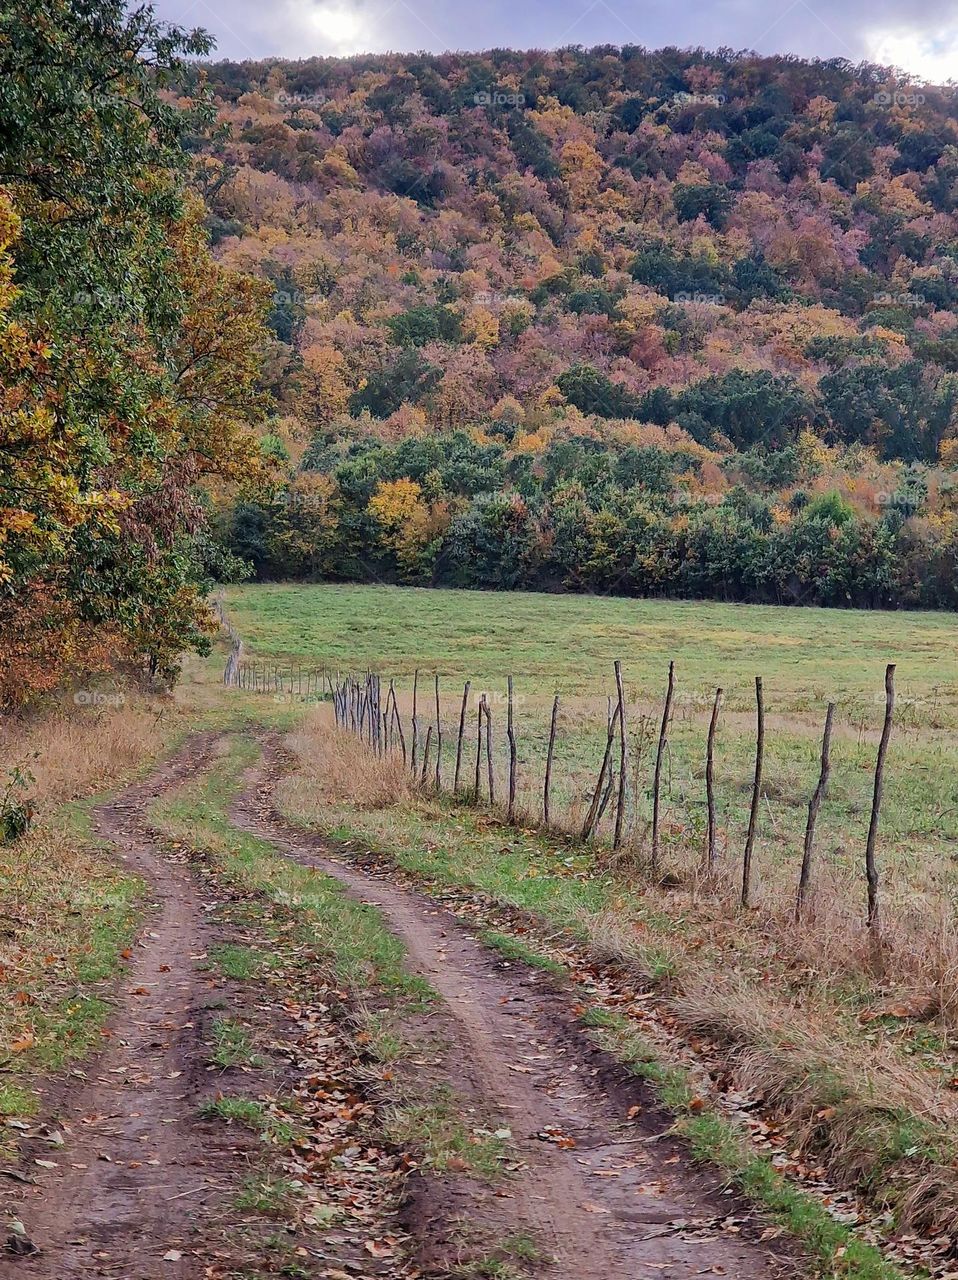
(710, 780)
(547, 784)
(805, 877)
(660, 753)
(415, 719)
(623, 754)
(511, 734)
(756, 794)
(489, 769)
(871, 867)
(591, 818)
(462, 729)
(425, 754)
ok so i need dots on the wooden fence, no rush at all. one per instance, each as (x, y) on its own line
(366, 707)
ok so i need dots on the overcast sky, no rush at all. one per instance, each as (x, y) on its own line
(921, 36)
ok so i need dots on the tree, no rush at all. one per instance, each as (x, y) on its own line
(129, 358)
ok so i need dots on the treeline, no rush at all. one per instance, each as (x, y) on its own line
(583, 514)
(129, 358)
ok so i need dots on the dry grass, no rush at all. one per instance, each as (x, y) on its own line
(75, 750)
(66, 911)
(338, 768)
(847, 1044)
(869, 1118)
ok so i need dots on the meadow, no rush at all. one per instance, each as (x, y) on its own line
(567, 644)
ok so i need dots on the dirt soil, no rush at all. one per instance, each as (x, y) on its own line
(132, 1171)
(597, 1188)
(597, 1183)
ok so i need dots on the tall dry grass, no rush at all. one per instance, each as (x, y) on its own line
(74, 750)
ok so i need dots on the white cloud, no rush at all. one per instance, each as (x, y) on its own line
(929, 56)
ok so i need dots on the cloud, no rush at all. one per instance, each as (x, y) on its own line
(922, 39)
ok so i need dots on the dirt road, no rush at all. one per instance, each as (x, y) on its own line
(596, 1195)
(139, 1177)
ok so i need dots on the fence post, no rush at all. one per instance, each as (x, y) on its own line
(657, 779)
(547, 785)
(871, 867)
(438, 738)
(511, 734)
(462, 729)
(489, 769)
(481, 705)
(710, 780)
(756, 794)
(805, 876)
(592, 817)
(623, 760)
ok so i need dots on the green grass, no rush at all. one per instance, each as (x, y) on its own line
(240, 963)
(251, 1114)
(436, 1129)
(713, 1138)
(267, 1194)
(568, 643)
(232, 1045)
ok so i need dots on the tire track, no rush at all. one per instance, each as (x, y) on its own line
(134, 1168)
(604, 1207)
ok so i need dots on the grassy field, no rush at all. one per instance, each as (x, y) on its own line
(566, 643)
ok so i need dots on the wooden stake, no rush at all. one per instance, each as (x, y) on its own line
(805, 876)
(710, 781)
(462, 729)
(871, 867)
(425, 754)
(660, 753)
(756, 795)
(438, 738)
(547, 785)
(511, 735)
(492, 781)
(415, 720)
(623, 761)
(482, 702)
(591, 818)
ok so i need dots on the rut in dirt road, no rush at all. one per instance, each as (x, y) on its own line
(132, 1174)
(613, 1205)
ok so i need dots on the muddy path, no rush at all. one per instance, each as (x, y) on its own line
(123, 1194)
(601, 1194)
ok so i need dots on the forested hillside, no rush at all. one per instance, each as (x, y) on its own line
(605, 319)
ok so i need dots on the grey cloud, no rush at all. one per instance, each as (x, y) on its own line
(922, 37)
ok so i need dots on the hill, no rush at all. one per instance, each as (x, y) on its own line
(572, 319)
